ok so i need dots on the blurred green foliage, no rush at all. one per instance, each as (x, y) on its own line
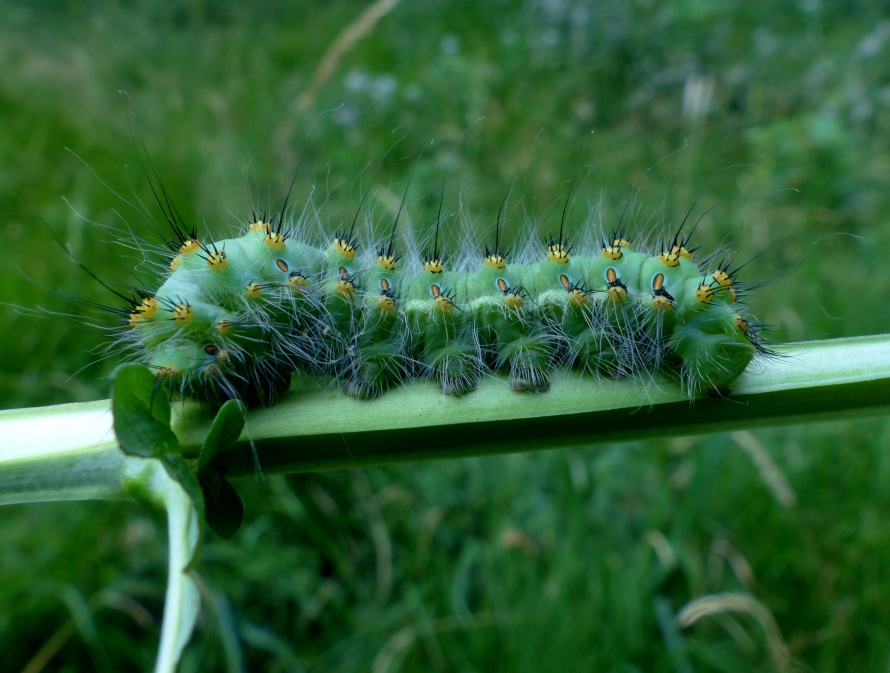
(546, 562)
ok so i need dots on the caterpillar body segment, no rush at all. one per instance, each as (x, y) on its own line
(235, 317)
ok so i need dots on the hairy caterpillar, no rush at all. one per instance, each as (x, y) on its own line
(235, 317)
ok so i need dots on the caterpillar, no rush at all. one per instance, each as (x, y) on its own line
(235, 317)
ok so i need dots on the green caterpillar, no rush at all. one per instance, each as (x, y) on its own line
(235, 317)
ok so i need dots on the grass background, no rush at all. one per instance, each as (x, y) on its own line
(568, 559)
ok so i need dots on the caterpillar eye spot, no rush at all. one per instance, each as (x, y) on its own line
(443, 302)
(387, 300)
(615, 289)
(346, 285)
(658, 282)
(282, 265)
(211, 349)
(661, 299)
(577, 295)
(502, 285)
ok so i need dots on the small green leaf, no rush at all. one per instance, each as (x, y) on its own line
(224, 432)
(141, 414)
(224, 510)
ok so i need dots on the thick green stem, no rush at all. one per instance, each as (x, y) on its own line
(66, 452)
(314, 430)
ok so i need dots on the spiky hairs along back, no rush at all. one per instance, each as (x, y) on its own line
(233, 318)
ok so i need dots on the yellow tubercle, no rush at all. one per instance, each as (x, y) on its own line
(189, 245)
(344, 247)
(495, 261)
(434, 265)
(297, 281)
(443, 302)
(557, 252)
(217, 260)
(722, 278)
(275, 239)
(346, 285)
(704, 294)
(183, 312)
(617, 293)
(144, 311)
(661, 303)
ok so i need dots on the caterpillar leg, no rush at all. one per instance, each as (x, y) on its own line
(711, 361)
(378, 361)
(524, 350)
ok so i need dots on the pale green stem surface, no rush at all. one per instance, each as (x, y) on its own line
(65, 452)
(315, 430)
(68, 452)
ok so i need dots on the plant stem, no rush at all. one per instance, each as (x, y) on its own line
(69, 452)
(314, 430)
(65, 452)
